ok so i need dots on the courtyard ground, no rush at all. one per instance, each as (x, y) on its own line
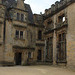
(35, 70)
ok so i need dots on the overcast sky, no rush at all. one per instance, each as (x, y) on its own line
(38, 6)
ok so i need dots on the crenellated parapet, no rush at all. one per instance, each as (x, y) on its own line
(59, 5)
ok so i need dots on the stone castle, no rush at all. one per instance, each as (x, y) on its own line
(27, 38)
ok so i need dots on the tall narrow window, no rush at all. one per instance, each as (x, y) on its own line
(18, 16)
(17, 34)
(25, 17)
(61, 54)
(64, 19)
(29, 55)
(0, 30)
(22, 17)
(31, 37)
(21, 34)
(39, 35)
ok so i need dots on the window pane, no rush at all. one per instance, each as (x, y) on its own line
(40, 35)
(60, 38)
(64, 19)
(17, 34)
(18, 16)
(0, 30)
(22, 17)
(63, 37)
(29, 55)
(21, 34)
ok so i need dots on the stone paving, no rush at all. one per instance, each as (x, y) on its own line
(35, 70)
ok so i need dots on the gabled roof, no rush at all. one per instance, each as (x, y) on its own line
(13, 3)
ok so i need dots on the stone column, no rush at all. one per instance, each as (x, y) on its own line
(54, 48)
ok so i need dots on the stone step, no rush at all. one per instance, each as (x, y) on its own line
(44, 63)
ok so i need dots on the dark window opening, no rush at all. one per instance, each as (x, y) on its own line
(22, 17)
(39, 56)
(49, 22)
(17, 34)
(63, 37)
(18, 16)
(61, 18)
(31, 37)
(29, 55)
(0, 30)
(21, 34)
(39, 35)
(60, 37)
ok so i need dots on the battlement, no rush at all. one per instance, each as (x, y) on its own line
(59, 5)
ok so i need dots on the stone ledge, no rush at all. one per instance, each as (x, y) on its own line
(20, 47)
(5, 63)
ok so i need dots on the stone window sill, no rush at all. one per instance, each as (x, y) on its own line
(19, 39)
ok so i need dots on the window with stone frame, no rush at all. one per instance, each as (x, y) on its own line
(50, 24)
(25, 18)
(30, 55)
(21, 34)
(22, 17)
(31, 37)
(18, 16)
(39, 35)
(51, 49)
(61, 54)
(49, 55)
(61, 18)
(17, 34)
(0, 30)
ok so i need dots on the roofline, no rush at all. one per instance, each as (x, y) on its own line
(58, 10)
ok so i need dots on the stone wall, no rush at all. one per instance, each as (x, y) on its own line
(71, 35)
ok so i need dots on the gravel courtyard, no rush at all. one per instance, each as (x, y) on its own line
(35, 70)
